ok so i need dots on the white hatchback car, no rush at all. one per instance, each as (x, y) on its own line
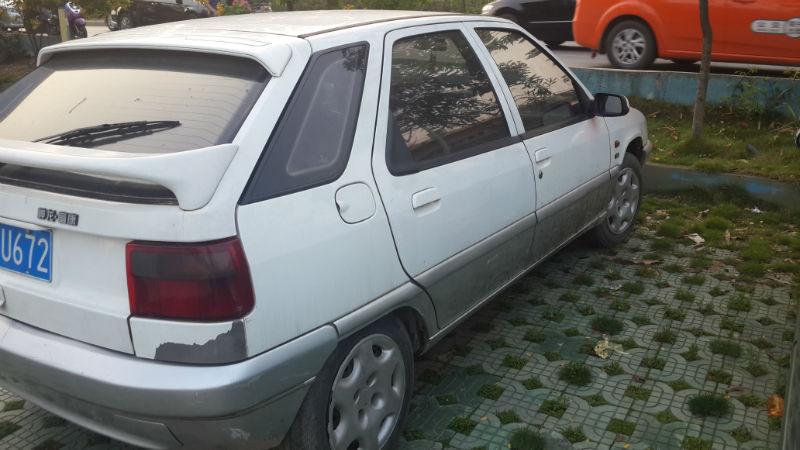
(241, 230)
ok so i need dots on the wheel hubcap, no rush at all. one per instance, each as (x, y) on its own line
(624, 202)
(628, 46)
(367, 395)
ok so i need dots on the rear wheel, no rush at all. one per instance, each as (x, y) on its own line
(80, 31)
(623, 206)
(361, 396)
(630, 45)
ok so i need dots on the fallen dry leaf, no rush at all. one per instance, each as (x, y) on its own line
(696, 238)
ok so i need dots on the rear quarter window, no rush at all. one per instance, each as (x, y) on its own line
(210, 95)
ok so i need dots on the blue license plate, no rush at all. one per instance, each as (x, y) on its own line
(28, 252)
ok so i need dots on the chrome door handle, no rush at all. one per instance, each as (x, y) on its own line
(425, 197)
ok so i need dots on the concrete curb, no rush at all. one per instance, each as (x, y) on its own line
(779, 94)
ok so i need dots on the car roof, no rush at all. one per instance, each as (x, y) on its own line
(266, 37)
(307, 23)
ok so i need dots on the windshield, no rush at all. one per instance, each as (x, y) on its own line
(209, 95)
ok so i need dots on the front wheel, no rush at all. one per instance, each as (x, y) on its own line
(361, 396)
(630, 45)
(125, 21)
(79, 32)
(626, 195)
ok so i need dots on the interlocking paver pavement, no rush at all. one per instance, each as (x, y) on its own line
(499, 371)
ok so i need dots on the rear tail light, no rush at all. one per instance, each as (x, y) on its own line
(203, 282)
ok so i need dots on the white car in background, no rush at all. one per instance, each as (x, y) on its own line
(249, 241)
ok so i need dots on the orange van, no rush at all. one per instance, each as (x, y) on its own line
(634, 32)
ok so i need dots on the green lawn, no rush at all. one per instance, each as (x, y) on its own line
(724, 147)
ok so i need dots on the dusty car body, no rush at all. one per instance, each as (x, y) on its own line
(252, 240)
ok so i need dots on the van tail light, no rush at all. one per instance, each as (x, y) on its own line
(202, 282)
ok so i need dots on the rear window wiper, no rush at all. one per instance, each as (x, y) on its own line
(108, 133)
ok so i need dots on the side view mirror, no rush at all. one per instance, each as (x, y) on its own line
(611, 105)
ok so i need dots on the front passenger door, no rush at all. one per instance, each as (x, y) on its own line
(569, 146)
(457, 187)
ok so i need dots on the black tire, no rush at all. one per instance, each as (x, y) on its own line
(125, 21)
(603, 234)
(684, 62)
(80, 32)
(648, 53)
(310, 428)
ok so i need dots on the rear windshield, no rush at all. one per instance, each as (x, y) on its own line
(209, 95)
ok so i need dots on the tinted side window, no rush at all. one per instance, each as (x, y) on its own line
(543, 91)
(311, 143)
(441, 101)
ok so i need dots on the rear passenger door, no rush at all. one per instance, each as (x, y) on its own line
(568, 145)
(457, 187)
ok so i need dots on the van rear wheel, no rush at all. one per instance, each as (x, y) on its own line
(361, 396)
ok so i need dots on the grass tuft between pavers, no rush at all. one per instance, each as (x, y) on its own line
(654, 362)
(608, 325)
(713, 405)
(620, 426)
(49, 444)
(595, 400)
(634, 287)
(13, 405)
(739, 303)
(679, 385)
(637, 393)
(691, 354)
(727, 348)
(695, 443)
(6, 428)
(532, 383)
(514, 362)
(526, 439)
(574, 434)
(463, 425)
(666, 417)
(490, 391)
(614, 368)
(742, 434)
(719, 376)
(555, 408)
(413, 435)
(684, 295)
(534, 335)
(576, 373)
(508, 416)
(665, 336)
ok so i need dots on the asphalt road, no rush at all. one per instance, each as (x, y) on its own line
(575, 56)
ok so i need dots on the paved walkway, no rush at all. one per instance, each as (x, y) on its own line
(675, 322)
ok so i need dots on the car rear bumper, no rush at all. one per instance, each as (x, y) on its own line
(158, 405)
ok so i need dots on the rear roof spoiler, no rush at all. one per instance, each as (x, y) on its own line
(206, 166)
